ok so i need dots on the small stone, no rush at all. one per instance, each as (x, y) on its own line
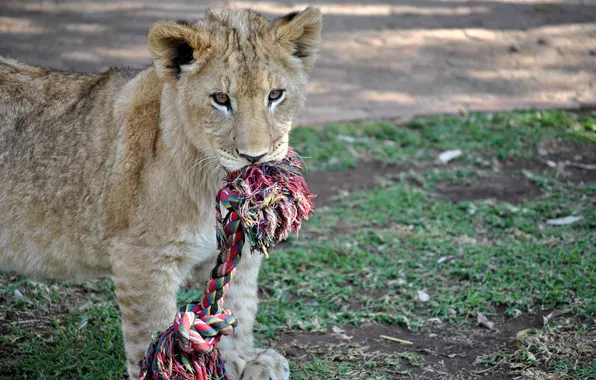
(423, 296)
(514, 48)
(17, 294)
(542, 41)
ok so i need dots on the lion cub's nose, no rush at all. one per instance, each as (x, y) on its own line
(252, 159)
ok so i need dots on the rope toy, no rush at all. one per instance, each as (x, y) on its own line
(263, 204)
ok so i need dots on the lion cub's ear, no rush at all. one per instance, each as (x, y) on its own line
(174, 44)
(300, 32)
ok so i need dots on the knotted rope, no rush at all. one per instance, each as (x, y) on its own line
(263, 204)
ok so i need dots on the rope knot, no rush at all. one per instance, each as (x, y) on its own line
(200, 333)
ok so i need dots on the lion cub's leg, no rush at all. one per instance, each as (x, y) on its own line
(146, 285)
(242, 359)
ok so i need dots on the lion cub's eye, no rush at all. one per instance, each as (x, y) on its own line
(275, 95)
(221, 98)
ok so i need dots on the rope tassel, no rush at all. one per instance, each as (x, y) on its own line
(263, 204)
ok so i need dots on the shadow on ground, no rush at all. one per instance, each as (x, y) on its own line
(380, 60)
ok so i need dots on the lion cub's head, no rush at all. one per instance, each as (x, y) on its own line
(236, 79)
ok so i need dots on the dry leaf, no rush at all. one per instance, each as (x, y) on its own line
(444, 258)
(546, 319)
(449, 155)
(340, 333)
(316, 324)
(397, 340)
(483, 321)
(520, 335)
(564, 221)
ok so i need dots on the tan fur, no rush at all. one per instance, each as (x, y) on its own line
(116, 173)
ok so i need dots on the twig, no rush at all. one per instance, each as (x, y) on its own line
(488, 369)
(396, 339)
(581, 165)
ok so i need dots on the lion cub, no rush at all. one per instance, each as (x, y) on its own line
(116, 173)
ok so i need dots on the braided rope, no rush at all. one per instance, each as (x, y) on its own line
(264, 204)
(200, 326)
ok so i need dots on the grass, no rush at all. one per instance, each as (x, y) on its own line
(366, 256)
(57, 330)
(484, 136)
(557, 346)
(524, 266)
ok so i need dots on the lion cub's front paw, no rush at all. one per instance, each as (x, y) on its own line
(267, 365)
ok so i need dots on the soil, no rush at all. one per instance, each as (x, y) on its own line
(380, 59)
(510, 185)
(447, 351)
(328, 185)
(512, 189)
(568, 156)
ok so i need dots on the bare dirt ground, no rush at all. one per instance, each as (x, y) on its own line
(447, 352)
(379, 59)
(506, 187)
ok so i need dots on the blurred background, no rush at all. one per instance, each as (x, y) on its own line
(379, 59)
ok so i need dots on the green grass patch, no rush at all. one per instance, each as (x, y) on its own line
(499, 135)
(469, 256)
(57, 330)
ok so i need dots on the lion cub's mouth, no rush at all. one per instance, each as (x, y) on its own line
(272, 163)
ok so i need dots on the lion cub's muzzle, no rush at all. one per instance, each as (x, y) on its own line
(252, 158)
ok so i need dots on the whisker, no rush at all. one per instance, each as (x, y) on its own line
(208, 169)
(213, 170)
(205, 168)
(203, 159)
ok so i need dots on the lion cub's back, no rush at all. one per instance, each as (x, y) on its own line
(57, 137)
